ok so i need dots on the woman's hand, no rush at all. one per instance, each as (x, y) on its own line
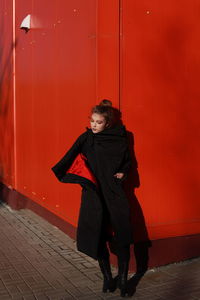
(119, 175)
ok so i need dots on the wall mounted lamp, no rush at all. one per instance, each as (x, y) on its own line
(26, 23)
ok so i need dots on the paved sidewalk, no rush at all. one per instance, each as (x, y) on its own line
(38, 261)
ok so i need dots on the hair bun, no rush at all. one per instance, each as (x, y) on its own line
(105, 102)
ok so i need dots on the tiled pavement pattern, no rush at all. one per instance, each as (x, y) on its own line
(38, 261)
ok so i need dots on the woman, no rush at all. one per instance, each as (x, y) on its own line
(99, 161)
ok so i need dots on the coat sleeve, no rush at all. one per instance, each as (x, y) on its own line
(65, 162)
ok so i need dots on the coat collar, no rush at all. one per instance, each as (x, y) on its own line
(112, 133)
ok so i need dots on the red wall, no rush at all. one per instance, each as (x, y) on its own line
(160, 66)
(144, 57)
(7, 48)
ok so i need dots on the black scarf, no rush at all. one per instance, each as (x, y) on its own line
(116, 134)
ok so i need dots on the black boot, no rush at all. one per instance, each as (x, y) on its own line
(122, 276)
(108, 282)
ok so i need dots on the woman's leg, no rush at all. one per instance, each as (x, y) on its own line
(123, 253)
(103, 251)
(123, 256)
(109, 283)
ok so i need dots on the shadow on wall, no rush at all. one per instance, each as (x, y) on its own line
(139, 229)
(6, 101)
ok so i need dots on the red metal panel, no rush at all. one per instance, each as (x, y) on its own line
(6, 94)
(36, 100)
(160, 104)
(76, 86)
(56, 86)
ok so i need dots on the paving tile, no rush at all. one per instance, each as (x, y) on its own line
(38, 261)
(41, 297)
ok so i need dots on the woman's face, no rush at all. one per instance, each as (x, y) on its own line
(97, 122)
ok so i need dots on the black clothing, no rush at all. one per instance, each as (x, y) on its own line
(107, 153)
(123, 252)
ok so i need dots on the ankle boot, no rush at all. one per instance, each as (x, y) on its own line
(108, 282)
(122, 276)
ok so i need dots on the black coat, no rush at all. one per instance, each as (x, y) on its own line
(92, 162)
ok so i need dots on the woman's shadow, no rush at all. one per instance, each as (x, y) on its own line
(140, 236)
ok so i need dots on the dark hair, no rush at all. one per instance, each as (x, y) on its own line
(111, 114)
